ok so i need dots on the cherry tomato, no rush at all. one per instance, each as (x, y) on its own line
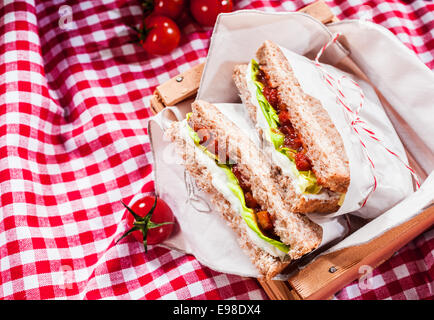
(168, 8)
(159, 35)
(206, 11)
(150, 220)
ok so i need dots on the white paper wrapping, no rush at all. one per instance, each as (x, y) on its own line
(235, 40)
(393, 178)
(407, 83)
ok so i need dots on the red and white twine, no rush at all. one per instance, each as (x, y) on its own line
(356, 123)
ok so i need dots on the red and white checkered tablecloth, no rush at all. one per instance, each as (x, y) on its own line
(74, 96)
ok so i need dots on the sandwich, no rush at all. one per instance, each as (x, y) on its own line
(308, 157)
(226, 164)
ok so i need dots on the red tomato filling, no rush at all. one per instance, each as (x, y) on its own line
(292, 138)
(209, 141)
(263, 218)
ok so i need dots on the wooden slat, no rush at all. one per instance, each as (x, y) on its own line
(316, 282)
(156, 104)
(177, 89)
(278, 290)
(320, 11)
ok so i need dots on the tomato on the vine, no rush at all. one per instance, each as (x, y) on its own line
(159, 35)
(206, 11)
(150, 220)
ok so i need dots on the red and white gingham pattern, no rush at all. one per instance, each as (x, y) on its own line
(74, 98)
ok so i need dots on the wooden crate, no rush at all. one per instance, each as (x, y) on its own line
(328, 273)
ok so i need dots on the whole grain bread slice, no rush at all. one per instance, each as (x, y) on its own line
(323, 142)
(294, 229)
(297, 202)
(267, 265)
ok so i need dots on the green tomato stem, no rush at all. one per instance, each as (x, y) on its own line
(142, 224)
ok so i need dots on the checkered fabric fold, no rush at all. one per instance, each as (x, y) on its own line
(74, 99)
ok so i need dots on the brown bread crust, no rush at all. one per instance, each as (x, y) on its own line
(324, 144)
(296, 201)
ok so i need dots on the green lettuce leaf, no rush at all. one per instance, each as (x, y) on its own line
(268, 111)
(308, 183)
(193, 135)
(342, 199)
(276, 137)
(290, 153)
(233, 184)
(306, 179)
(247, 213)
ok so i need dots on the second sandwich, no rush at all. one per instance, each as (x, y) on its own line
(309, 159)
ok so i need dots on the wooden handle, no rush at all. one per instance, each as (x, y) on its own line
(317, 282)
(177, 89)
